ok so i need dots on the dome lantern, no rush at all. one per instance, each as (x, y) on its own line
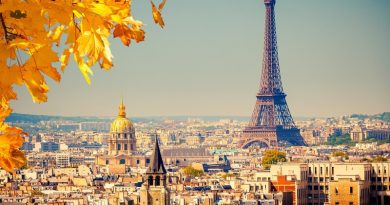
(121, 124)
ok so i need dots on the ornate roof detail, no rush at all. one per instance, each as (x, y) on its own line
(121, 124)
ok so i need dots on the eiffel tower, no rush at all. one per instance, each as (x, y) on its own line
(271, 123)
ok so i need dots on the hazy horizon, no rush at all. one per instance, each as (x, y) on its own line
(206, 62)
(189, 116)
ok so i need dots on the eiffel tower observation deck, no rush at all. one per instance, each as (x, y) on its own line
(271, 123)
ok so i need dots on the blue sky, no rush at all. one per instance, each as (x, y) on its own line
(334, 59)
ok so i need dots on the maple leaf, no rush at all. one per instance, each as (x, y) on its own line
(5, 110)
(42, 60)
(157, 13)
(64, 59)
(124, 33)
(31, 35)
(10, 141)
(83, 67)
(90, 44)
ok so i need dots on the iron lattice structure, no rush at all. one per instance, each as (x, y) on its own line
(271, 121)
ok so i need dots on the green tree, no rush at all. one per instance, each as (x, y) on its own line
(192, 171)
(366, 160)
(339, 140)
(37, 193)
(340, 154)
(272, 156)
(379, 159)
(225, 176)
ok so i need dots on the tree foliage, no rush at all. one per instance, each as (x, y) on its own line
(36, 193)
(37, 39)
(190, 171)
(379, 159)
(339, 140)
(339, 154)
(272, 156)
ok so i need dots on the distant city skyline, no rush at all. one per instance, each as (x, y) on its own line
(206, 62)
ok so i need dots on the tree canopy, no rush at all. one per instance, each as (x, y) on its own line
(272, 156)
(191, 171)
(37, 40)
(379, 159)
(339, 154)
(339, 140)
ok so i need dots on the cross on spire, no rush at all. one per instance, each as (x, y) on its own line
(122, 109)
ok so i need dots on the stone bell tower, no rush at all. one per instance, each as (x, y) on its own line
(154, 189)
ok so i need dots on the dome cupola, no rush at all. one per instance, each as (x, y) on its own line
(121, 124)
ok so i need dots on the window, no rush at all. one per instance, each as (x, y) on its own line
(320, 170)
(332, 170)
(122, 161)
(336, 191)
(137, 161)
(351, 190)
(125, 136)
(315, 170)
(309, 170)
(125, 147)
(350, 203)
(157, 181)
(119, 147)
(107, 162)
(337, 203)
(150, 180)
(147, 161)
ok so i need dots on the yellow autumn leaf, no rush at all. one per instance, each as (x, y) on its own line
(5, 110)
(124, 33)
(100, 9)
(90, 44)
(83, 67)
(35, 83)
(10, 141)
(64, 59)
(157, 13)
(42, 61)
(56, 34)
(32, 36)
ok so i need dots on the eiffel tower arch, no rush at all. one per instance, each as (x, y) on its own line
(271, 123)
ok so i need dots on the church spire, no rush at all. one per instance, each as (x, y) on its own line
(157, 165)
(122, 109)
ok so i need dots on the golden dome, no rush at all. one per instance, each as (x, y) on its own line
(121, 124)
